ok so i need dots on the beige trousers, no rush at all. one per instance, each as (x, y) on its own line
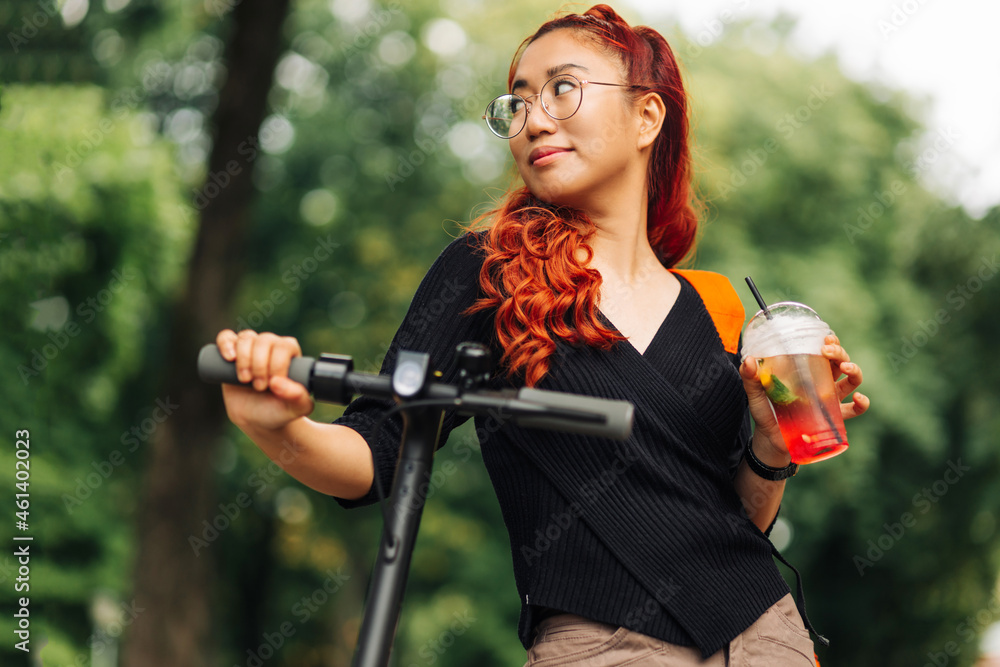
(777, 639)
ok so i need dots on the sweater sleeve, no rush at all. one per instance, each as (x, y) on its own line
(433, 324)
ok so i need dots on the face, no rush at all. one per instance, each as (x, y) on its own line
(586, 159)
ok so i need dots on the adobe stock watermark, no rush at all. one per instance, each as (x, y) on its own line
(294, 277)
(756, 158)
(595, 146)
(32, 23)
(955, 300)
(378, 20)
(616, 295)
(463, 450)
(706, 377)
(588, 492)
(712, 29)
(433, 480)
(427, 317)
(968, 630)
(424, 319)
(923, 501)
(217, 181)
(229, 513)
(303, 610)
(15, 257)
(884, 200)
(473, 442)
(122, 104)
(131, 440)
(653, 607)
(432, 649)
(427, 146)
(87, 310)
(899, 16)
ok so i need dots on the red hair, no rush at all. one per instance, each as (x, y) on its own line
(531, 273)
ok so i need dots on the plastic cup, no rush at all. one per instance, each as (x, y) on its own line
(798, 379)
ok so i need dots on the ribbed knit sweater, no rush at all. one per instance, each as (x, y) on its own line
(646, 533)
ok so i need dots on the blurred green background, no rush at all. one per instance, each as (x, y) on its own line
(169, 169)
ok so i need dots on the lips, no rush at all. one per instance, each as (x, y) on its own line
(545, 154)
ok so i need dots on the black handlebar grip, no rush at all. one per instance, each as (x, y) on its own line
(212, 368)
(617, 423)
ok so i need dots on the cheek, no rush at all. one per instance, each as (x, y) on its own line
(515, 146)
(593, 136)
(613, 137)
(518, 150)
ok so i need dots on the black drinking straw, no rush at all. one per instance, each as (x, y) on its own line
(756, 295)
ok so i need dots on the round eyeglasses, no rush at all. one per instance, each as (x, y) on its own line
(561, 97)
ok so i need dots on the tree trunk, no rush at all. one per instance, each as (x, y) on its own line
(174, 579)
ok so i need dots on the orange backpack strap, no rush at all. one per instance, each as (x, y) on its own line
(721, 302)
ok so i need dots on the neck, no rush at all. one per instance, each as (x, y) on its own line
(621, 247)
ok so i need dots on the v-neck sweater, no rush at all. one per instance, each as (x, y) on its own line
(646, 533)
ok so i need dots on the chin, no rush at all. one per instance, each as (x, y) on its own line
(555, 191)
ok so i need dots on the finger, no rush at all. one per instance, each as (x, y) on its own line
(857, 407)
(748, 369)
(760, 408)
(244, 350)
(294, 394)
(260, 360)
(851, 381)
(835, 352)
(284, 349)
(837, 356)
(751, 378)
(831, 339)
(226, 342)
(287, 389)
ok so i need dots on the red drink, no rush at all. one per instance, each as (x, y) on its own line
(805, 403)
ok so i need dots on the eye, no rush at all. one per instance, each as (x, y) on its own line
(562, 86)
(516, 105)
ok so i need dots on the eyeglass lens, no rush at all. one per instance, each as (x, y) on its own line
(561, 97)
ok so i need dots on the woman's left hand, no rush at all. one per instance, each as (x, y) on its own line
(846, 374)
(840, 364)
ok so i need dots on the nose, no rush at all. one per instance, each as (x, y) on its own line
(538, 120)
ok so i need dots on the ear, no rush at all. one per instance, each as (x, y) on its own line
(652, 113)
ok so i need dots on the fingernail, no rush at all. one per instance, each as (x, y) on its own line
(848, 367)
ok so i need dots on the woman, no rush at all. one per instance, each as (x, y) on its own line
(651, 551)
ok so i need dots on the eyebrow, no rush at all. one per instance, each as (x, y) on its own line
(550, 72)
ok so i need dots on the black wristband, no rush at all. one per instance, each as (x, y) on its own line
(761, 469)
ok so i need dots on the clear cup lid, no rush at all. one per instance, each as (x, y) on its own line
(793, 328)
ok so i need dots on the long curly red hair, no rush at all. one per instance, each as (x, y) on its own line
(534, 273)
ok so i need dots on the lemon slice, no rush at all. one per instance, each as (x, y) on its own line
(764, 375)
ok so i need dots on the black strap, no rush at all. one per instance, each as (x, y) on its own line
(800, 600)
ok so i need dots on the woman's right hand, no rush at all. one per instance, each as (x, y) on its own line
(273, 400)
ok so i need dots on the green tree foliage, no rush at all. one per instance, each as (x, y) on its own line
(91, 245)
(814, 184)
